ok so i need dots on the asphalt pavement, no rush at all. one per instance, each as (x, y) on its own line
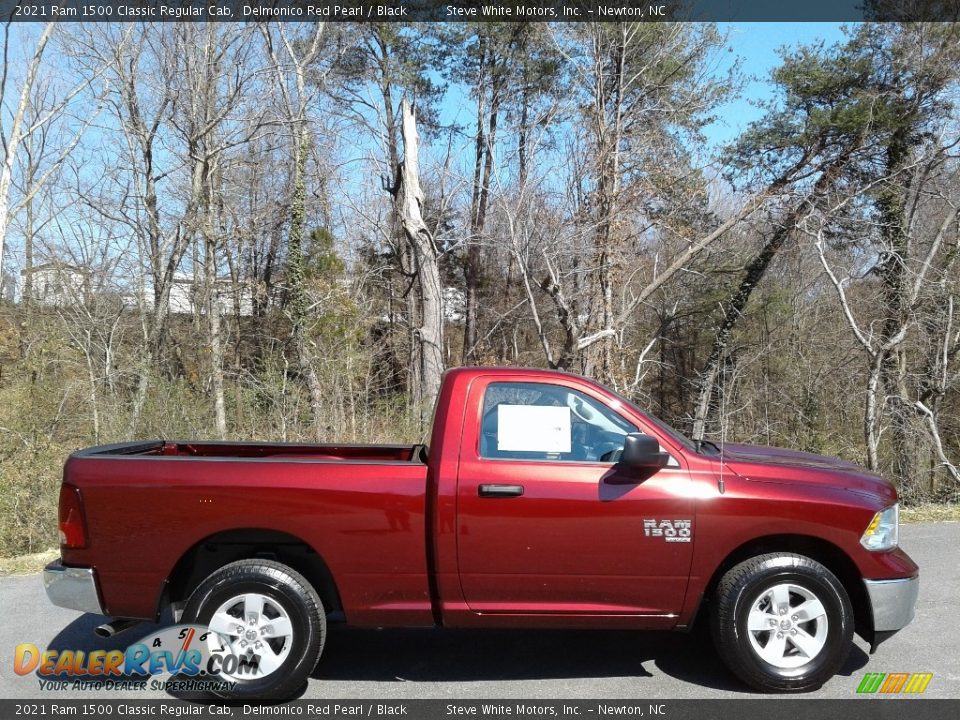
(456, 664)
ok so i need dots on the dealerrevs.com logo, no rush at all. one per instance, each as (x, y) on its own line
(894, 683)
(196, 657)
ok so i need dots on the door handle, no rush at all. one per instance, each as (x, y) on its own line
(500, 490)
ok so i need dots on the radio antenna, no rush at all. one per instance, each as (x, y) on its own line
(723, 420)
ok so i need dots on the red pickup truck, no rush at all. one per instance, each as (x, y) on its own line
(544, 501)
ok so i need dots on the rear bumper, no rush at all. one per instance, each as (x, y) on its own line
(72, 587)
(892, 602)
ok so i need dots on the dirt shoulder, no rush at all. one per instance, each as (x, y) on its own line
(931, 512)
(27, 564)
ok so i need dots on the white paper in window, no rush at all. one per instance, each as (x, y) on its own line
(533, 428)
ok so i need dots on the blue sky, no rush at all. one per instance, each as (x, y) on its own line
(756, 44)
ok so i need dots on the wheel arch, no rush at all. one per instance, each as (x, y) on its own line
(823, 551)
(222, 548)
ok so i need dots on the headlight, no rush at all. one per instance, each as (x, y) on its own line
(883, 531)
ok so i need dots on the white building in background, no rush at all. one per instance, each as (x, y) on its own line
(55, 284)
(8, 287)
(454, 305)
(187, 297)
(61, 284)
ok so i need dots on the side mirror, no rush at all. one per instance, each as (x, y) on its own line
(643, 452)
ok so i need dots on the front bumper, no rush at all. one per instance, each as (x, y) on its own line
(892, 602)
(72, 587)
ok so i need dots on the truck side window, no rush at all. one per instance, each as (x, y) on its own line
(539, 421)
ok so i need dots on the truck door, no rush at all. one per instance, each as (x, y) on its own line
(550, 523)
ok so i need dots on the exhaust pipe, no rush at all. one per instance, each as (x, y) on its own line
(114, 627)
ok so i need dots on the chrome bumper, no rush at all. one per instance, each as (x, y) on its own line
(892, 602)
(72, 587)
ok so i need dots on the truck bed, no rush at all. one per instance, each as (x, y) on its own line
(252, 450)
(361, 508)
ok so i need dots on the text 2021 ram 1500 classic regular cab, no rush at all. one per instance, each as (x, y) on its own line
(543, 501)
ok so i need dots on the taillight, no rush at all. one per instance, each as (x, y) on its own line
(73, 526)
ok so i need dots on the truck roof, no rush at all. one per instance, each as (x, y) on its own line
(500, 370)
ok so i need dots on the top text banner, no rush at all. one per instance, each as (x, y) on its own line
(477, 10)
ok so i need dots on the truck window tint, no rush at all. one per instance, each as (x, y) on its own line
(539, 421)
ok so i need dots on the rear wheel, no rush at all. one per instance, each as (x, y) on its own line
(782, 622)
(269, 621)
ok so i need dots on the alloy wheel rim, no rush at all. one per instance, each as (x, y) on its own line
(257, 630)
(787, 626)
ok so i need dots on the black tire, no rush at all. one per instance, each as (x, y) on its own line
(750, 586)
(288, 589)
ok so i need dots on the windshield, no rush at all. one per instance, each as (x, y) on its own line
(676, 435)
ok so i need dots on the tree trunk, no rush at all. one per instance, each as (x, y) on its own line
(522, 140)
(216, 339)
(608, 109)
(471, 265)
(409, 200)
(731, 315)
(753, 275)
(92, 389)
(296, 279)
(871, 418)
(26, 298)
(482, 177)
(16, 134)
(906, 450)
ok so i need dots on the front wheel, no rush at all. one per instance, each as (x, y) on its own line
(270, 622)
(782, 622)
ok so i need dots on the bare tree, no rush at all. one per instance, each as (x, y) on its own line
(291, 74)
(409, 200)
(754, 272)
(36, 109)
(383, 62)
(637, 211)
(141, 93)
(216, 69)
(11, 140)
(879, 346)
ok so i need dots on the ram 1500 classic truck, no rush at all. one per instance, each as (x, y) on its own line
(544, 500)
